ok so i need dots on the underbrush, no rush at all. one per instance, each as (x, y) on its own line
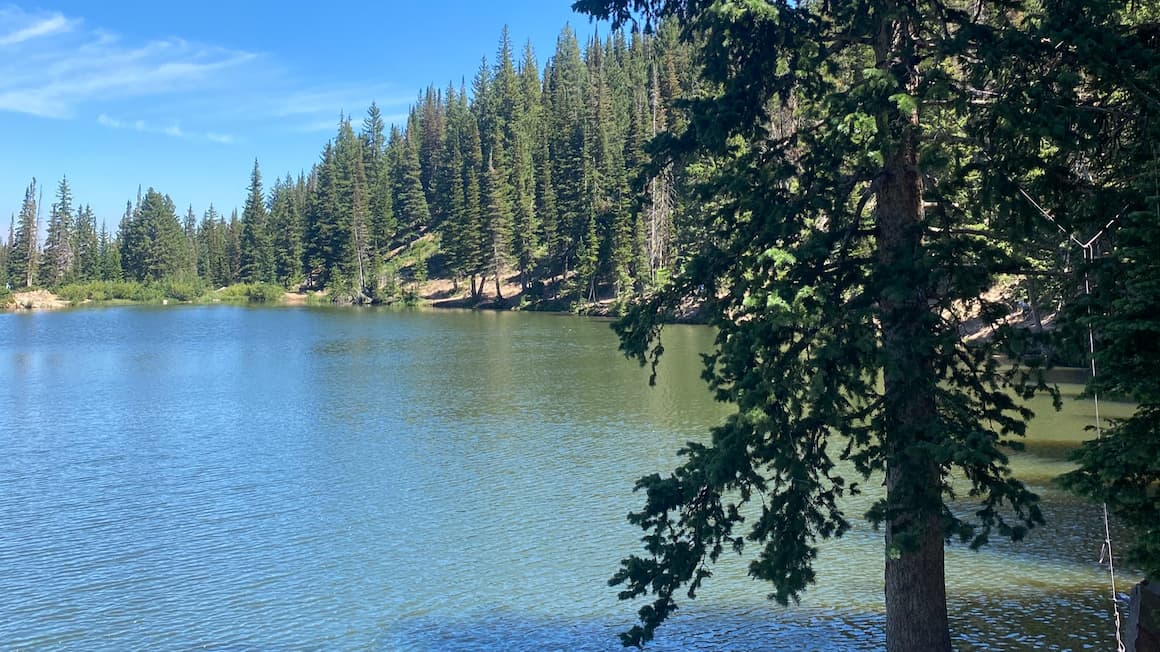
(113, 291)
(250, 293)
(168, 290)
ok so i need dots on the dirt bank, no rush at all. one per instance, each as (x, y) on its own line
(34, 300)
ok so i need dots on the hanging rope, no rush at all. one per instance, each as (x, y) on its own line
(1089, 255)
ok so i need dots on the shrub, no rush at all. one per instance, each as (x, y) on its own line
(264, 293)
(183, 290)
(251, 293)
(110, 291)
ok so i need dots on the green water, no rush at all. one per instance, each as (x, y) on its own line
(300, 479)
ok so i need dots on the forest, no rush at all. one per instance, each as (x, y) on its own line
(531, 176)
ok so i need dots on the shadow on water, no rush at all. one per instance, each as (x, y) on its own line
(695, 631)
(985, 621)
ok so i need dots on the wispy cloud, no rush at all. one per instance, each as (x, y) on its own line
(18, 27)
(50, 65)
(56, 66)
(173, 130)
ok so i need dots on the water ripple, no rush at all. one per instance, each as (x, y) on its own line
(233, 479)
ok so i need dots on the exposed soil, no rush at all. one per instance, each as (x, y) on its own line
(35, 300)
(442, 293)
(972, 327)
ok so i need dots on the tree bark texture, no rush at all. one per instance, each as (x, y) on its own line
(916, 613)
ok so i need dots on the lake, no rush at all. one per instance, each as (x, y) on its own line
(234, 478)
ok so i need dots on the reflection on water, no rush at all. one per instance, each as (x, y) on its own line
(228, 478)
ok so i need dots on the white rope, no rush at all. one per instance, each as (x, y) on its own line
(1089, 257)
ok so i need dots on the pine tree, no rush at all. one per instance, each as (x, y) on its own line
(128, 249)
(192, 248)
(609, 180)
(473, 252)
(526, 132)
(355, 257)
(322, 247)
(448, 208)
(287, 231)
(570, 174)
(87, 245)
(483, 108)
(233, 237)
(1105, 157)
(382, 218)
(853, 154)
(6, 254)
(59, 254)
(24, 256)
(257, 248)
(512, 140)
(409, 200)
(432, 127)
(110, 257)
(497, 217)
(153, 243)
(213, 263)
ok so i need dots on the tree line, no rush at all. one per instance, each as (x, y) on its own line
(532, 175)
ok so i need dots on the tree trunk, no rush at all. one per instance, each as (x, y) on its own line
(916, 613)
(916, 603)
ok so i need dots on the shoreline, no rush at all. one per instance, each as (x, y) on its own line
(439, 293)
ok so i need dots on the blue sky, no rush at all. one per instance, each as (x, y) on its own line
(184, 96)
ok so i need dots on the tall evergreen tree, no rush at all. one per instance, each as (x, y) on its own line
(24, 252)
(379, 185)
(322, 248)
(409, 200)
(473, 252)
(432, 125)
(1117, 56)
(287, 231)
(525, 132)
(855, 154)
(59, 254)
(353, 204)
(608, 186)
(571, 165)
(233, 233)
(448, 208)
(192, 248)
(153, 242)
(6, 253)
(87, 245)
(497, 218)
(110, 256)
(213, 262)
(257, 245)
(127, 247)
